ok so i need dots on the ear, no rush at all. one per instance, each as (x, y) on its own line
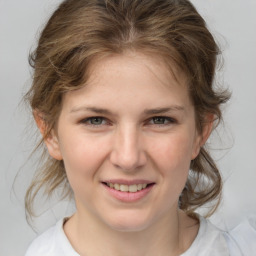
(50, 140)
(204, 135)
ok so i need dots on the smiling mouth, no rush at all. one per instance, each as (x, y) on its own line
(127, 188)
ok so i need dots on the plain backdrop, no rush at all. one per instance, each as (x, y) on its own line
(233, 23)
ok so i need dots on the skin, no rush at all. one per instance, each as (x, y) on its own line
(127, 141)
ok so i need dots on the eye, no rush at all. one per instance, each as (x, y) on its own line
(94, 121)
(162, 120)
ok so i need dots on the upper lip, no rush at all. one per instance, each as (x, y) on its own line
(128, 182)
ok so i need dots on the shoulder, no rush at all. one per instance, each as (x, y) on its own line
(43, 244)
(211, 241)
(243, 237)
(52, 242)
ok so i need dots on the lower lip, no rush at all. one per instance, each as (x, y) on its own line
(129, 196)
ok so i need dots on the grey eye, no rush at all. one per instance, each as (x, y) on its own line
(96, 120)
(159, 120)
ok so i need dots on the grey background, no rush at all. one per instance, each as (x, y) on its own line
(233, 23)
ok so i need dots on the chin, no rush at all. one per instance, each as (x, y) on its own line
(129, 223)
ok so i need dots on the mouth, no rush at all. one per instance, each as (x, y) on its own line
(132, 188)
(128, 191)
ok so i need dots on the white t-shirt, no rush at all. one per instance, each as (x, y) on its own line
(210, 241)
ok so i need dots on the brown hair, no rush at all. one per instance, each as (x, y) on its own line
(78, 32)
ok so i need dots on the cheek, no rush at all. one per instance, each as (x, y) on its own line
(173, 153)
(82, 158)
(172, 157)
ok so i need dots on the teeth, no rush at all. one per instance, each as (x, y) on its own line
(127, 188)
(139, 186)
(133, 188)
(116, 187)
(124, 188)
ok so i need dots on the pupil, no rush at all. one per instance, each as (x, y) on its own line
(96, 120)
(159, 120)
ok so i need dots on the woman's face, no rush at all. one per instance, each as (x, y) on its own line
(127, 139)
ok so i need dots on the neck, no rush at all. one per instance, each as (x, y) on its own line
(169, 236)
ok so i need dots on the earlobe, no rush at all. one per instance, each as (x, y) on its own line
(53, 147)
(50, 140)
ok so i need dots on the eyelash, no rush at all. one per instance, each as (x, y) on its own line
(169, 120)
(89, 119)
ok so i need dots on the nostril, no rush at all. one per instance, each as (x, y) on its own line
(128, 162)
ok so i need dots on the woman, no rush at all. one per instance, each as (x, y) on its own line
(123, 97)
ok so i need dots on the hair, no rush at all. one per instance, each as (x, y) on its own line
(82, 31)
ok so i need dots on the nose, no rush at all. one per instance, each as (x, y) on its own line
(128, 152)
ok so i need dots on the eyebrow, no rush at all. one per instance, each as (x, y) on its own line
(92, 109)
(163, 110)
(152, 111)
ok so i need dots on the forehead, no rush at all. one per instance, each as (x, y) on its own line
(131, 76)
(152, 65)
